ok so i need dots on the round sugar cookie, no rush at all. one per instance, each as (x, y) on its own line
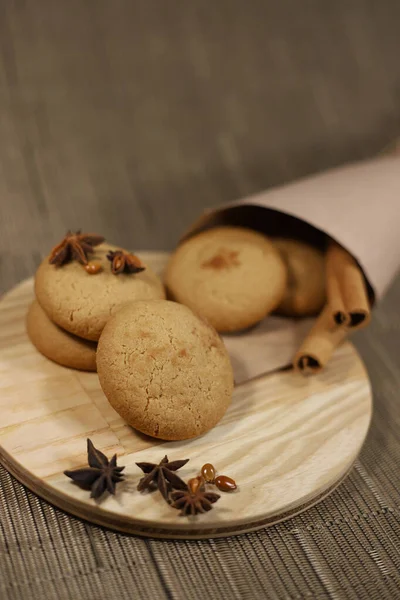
(59, 345)
(82, 303)
(305, 290)
(164, 370)
(232, 276)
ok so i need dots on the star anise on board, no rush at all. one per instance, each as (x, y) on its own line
(101, 475)
(195, 499)
(162, 476)
(123, 262)
(75, 246)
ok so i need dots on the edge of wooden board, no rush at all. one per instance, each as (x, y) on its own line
(184, 529)
(97, 516)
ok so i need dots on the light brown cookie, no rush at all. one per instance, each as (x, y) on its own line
(164, 370)
(82, 303)
(232, 276)
(305, 291)
(59, 345)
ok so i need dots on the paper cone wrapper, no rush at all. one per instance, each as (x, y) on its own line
(356, 205)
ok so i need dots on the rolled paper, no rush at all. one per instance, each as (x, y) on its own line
(325, 206)
(331, 203)
(346, 289)
(320, 343)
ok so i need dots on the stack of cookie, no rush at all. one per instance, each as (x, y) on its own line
(78, 287)
(162, 368)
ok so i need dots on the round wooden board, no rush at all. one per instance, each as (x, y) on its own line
(288, 441)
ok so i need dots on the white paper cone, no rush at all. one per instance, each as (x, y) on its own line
(357, 205)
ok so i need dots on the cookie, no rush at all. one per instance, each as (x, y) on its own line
(305, 291)
(82, 303)
(164, 370)
(232, 276)
(59, 345)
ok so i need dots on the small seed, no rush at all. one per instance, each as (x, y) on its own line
(118, 263)
(93, 267)
(208, 472)
(194, 484)
(225, 484)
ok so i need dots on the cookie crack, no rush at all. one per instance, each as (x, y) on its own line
(148, 395)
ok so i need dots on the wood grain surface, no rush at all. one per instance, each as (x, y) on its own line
(287, 440)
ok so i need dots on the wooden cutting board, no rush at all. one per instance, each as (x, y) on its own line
(287, 441)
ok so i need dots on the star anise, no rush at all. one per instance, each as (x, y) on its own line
(101, 475)
(75, 246)
(193, 500)
(123, 262)
(162, 476)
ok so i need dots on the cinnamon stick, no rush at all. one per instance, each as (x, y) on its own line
(346, 289)
(324, 337)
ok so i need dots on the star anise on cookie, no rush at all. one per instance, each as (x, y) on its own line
(162, 476)
(101, 475)
(195, 499)
(75, 246)
(123, 262)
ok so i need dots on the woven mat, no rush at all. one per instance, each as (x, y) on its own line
(128, 118)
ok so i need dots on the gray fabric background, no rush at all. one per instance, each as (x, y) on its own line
(128, 118)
